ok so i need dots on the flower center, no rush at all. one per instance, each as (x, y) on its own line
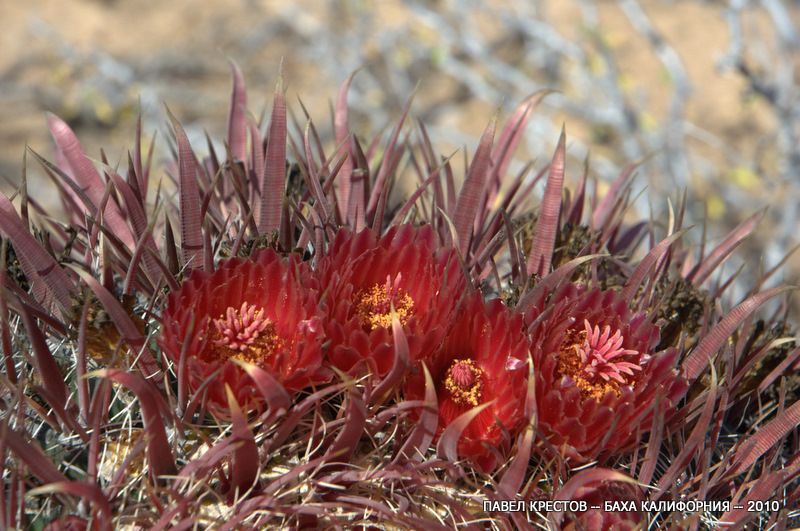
(374, 305)
(464, 382)
(595, 360)
(244, 334)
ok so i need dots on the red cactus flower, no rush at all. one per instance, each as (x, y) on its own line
(366, 278)
(613, 501)
(597, 380)
(483, 359)
(258, 311)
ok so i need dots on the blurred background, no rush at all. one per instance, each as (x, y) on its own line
(708, 89)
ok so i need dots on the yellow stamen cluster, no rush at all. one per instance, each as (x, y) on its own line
(374, 306)
(464, 382)
(257, 352)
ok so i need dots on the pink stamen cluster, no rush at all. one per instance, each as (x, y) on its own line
(463, 374)
(464, 382)
(238, 329)
(600, 353)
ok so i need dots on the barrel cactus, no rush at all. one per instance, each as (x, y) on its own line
(273, 337)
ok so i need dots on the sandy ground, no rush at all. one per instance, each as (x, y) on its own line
(90, 60)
